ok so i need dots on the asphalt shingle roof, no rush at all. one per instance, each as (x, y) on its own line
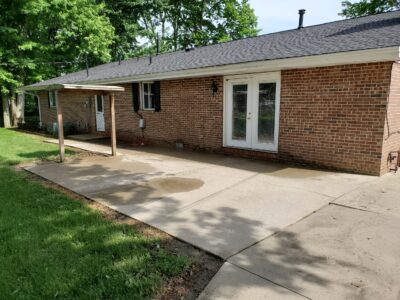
(377, 31)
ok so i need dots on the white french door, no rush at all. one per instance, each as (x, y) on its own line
(252, 111)
(99, 103)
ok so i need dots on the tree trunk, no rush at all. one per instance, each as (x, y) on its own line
(21, 107)
(6, 112)
(13, 110)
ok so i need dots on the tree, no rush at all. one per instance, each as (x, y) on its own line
(46, 38)
(368, 7)
(178, 23)
(40, 39)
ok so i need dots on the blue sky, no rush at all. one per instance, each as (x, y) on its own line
(278, 15)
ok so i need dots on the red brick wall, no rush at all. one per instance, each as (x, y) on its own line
(189, 112)
(330, 116)
(391, 139)
(334, 116)
(78, 109)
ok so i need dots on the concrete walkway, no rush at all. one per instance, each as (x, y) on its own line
(339, 252)
(257, 216)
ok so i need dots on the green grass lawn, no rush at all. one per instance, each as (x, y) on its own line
(55, 247)
(17, 147)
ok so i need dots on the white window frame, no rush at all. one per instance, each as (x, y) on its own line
(142, 94)
(54, 93)
(253, 81)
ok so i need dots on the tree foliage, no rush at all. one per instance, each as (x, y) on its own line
(40, 39)
(178, 23)
(45, 38)
(368, 7)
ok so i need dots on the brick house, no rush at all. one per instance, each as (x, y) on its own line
(325, 95)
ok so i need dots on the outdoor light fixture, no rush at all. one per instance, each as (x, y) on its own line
(214, 87)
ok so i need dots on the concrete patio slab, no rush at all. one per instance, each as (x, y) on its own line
(382, 196)
(95, 173)
(97, 148)
(219, 203)
(242, 210)
(239, 216)
(209, 184)
(233, 283)
(337, 253)
(332, 184)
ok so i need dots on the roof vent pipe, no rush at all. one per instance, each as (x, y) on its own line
(158, 44)
(190, 47)
(87, 66)
(301, 18)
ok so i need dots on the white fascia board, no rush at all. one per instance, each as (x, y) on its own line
(55, 87)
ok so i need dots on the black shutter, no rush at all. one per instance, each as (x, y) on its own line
(157, 102)
(135, 96)
(48, 99)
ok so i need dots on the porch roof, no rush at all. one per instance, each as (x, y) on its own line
(83, 87)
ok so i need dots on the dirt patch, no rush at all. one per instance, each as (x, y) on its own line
(203, 266)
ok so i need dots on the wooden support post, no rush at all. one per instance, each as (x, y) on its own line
(60, 129)
(113, 129)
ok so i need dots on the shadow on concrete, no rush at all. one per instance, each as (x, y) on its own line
(226, 160)
(127, 190)
(211, 229)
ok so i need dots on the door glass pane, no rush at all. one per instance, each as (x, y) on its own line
(99, 103)
(239, 112)
(266, 112)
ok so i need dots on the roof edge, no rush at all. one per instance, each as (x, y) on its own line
(83, 87)
(312, 61)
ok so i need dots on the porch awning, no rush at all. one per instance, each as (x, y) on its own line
(106, 89)
(83, 87)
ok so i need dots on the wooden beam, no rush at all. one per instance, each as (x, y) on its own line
(113, 129)
(79, 87)
(60, 129)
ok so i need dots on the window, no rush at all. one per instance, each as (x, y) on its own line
(52, 99)
(148, 92)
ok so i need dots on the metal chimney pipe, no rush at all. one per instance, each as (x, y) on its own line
(301, 18)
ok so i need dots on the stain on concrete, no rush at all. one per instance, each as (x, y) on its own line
(172, 185)
(299, 173)
(147, 191)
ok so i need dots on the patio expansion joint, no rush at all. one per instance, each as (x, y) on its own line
(269, 280)
(352, 190)
(332, 202)
(355, 208)
(276, 232)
